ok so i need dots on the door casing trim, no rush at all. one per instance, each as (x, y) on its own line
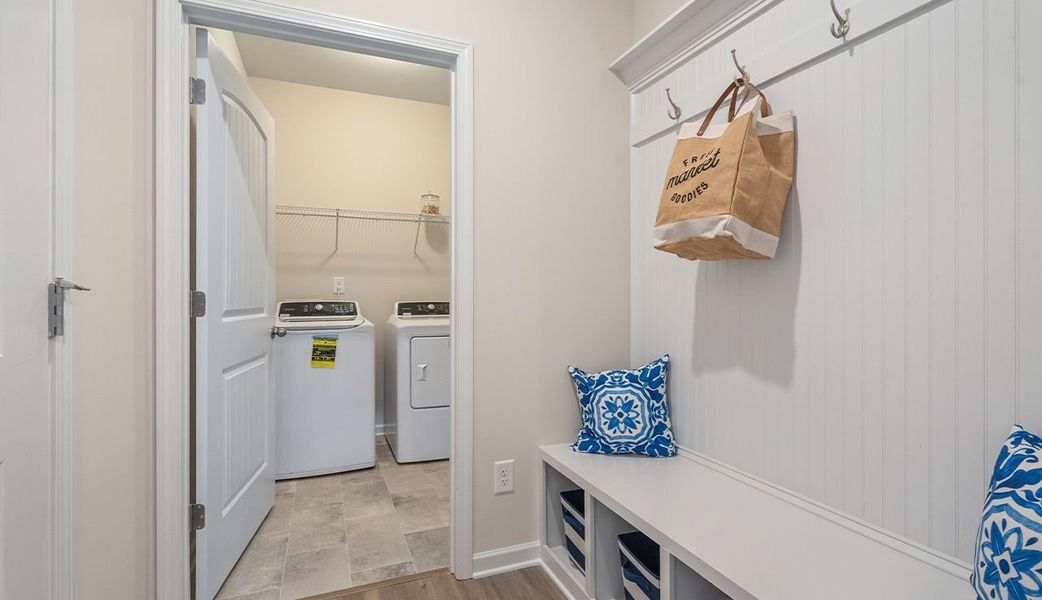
(63, 186)
(173, 18)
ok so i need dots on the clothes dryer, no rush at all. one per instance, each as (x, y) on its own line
(418, 382)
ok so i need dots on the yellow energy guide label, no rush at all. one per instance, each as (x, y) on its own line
(323, 351)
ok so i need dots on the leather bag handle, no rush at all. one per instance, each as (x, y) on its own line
(732, 90)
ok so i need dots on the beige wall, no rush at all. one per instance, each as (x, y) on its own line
(649, 14)
(112, 349)
(339, 149)
(551, 245)
(551, 266)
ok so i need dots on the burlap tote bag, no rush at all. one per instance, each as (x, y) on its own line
(727, 184)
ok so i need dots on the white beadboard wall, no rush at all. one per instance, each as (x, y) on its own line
(878, 362)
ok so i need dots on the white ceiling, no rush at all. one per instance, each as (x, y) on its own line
(325, 67)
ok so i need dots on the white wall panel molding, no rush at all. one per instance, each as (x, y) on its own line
(878, 362)
(768, 53)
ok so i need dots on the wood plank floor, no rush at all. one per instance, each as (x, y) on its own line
(526, 584)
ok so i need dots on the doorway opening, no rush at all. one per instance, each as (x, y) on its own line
(326, 446)
(384, 493)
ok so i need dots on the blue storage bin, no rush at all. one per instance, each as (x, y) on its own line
(640, 566)
(573, 510)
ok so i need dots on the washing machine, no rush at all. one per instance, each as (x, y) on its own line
(418, 382)
(325, 388)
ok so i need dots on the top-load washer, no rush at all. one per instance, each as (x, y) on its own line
(325, 388)
(418, 381)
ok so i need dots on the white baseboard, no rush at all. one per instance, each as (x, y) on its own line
(514, 558)
(555, 567)
(503, 560)
(553, 577)
(567, 593)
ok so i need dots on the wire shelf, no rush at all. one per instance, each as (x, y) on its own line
(350, 213)
(366, 215)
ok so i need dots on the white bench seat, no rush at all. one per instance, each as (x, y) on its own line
(752, 540)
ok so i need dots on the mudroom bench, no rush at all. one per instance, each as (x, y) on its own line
(726, 535)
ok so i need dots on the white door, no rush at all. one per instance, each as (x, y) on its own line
(25, 264)
(431, 380)
(235, 446)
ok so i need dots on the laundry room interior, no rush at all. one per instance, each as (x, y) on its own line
(360, 175)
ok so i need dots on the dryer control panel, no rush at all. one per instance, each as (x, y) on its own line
(422, 309)
(317, 309)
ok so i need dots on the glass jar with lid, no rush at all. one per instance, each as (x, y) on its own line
(431, 204)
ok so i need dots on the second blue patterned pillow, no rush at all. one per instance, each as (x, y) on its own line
(625, 411)
(1008, 564)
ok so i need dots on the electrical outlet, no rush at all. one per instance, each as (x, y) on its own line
(503, 479)
(338, 286)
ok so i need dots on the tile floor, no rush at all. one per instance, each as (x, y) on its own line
(337, 531)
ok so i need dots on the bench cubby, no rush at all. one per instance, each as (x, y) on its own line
(685, 583)
(605, 528)
(554, 534)
(725, 535)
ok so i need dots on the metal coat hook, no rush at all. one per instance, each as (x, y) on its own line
(841, 28)
(741, 69)
(674, 112)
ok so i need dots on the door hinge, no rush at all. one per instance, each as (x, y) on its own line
(56, 304)
(196, 91)
(197, 516)
(198, 303)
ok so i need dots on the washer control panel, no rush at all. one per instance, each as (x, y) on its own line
(422, 309)
(318, 309)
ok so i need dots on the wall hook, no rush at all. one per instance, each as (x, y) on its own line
(674, 112)
(841, 28)
(744, 78)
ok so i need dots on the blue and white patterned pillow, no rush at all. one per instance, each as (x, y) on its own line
(624, 411)
(1008, 564)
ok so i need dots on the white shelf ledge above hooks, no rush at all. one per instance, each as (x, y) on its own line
(365, 215)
